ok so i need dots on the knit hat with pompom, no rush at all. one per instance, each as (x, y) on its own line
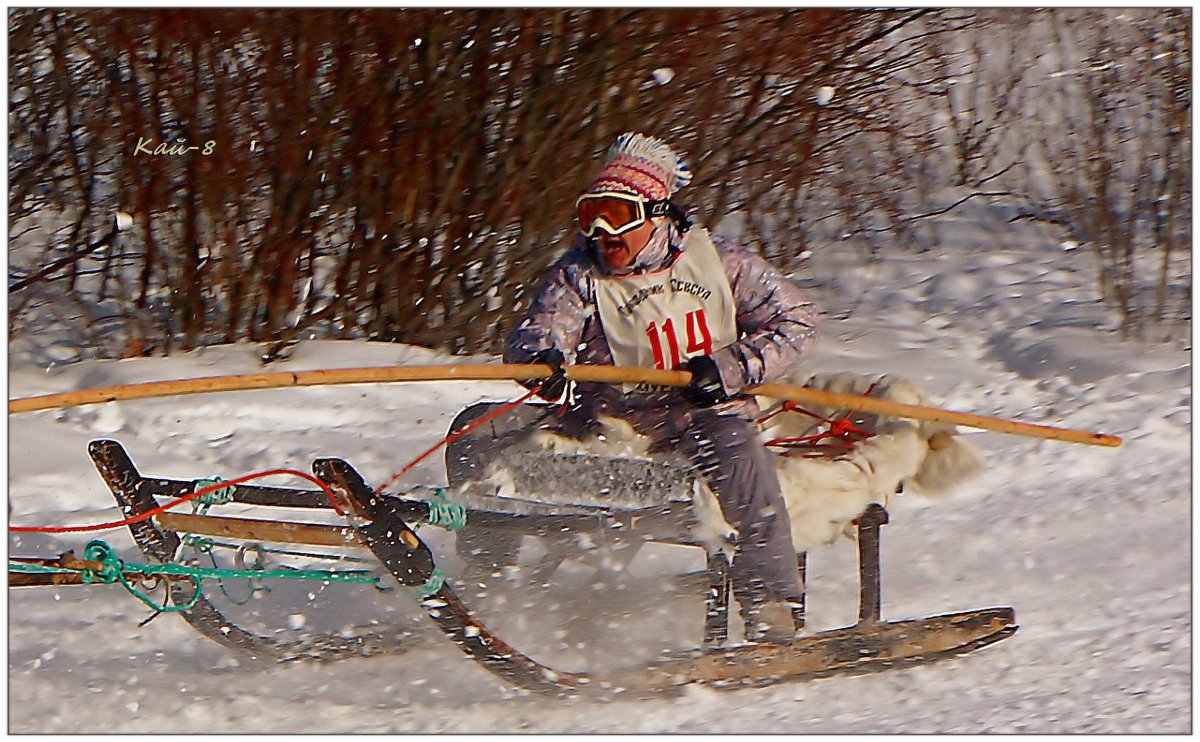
(641, 165)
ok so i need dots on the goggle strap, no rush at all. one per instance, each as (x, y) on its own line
(666, 207)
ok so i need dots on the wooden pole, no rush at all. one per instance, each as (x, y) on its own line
(934, 414)
(518, 372)
(67, 560)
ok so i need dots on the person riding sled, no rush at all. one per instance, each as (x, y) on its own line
(642, 286)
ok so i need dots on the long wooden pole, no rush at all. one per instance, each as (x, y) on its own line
(518, 372)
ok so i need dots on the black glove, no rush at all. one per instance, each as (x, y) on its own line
(705, 388)
(554, 386)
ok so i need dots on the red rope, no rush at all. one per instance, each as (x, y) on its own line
(258, 475)
(456, 435)
(179, 501)
(841, 428)
(785, 406)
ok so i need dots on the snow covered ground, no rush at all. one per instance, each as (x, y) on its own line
(1092, 546)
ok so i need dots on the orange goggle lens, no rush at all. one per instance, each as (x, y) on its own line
(615, 213)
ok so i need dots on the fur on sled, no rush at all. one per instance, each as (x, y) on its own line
(823, 495)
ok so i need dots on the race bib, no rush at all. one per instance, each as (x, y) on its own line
(659, 320)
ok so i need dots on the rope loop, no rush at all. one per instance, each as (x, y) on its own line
(436, 579)
(222, 496)
(444, 514)
(114, 571)
(199, 544)
(99, 551)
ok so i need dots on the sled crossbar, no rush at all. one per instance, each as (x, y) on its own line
(255, 529)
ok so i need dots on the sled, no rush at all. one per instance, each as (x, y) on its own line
(643, 502)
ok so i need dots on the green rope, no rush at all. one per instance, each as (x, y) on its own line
(295, 552)
(253, 583)
(445, 514)
(355, 575)
(199, 545)
(114, 571)
(183, 570)
(203, 546)
(431, 586)
(38, 569)
(220, 496)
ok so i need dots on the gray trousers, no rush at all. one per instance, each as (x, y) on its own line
(728, 451)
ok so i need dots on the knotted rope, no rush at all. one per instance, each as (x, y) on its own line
(208, 496)
(444, 514)
(115, 570)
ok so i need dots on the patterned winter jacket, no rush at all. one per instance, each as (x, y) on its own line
(776, 322)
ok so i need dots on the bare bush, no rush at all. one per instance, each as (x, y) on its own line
(1080, 120)
(1117, 154)
(408, 174)
(405, 175)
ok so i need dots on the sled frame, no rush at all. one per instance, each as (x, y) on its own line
(869, 645)
(136, 496)
(159, 539)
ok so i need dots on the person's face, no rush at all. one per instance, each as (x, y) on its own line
(620, 250)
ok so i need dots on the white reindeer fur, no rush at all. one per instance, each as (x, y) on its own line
(823, 495)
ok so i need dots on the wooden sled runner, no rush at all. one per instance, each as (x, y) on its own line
(385, 525)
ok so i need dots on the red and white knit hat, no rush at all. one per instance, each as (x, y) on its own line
(642, 165)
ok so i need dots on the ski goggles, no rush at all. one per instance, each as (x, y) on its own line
(616, 212)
